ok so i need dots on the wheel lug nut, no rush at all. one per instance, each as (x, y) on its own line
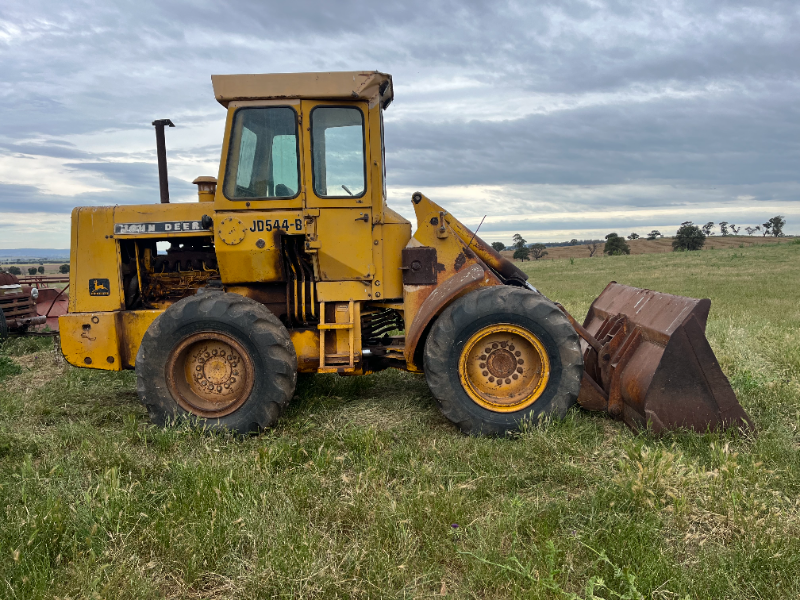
(491, 379)
(520, 361)
(515, 377)
(495, 346)
(517, 353)
(482, 365)
(508, 380)
(485, 373)
(519, 370)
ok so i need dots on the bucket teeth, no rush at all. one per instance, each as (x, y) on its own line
(648, 362)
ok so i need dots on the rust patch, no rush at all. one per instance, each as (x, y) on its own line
(460, 261)
(647, 354)
(439, 298)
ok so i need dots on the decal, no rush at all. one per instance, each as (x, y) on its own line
(99, 287)
(277, 224)
(161, 227)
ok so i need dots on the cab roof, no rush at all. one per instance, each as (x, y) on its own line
(371, 86)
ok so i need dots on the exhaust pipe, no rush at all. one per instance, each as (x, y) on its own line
(161, 151)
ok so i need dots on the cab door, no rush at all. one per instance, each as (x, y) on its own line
(336, 155)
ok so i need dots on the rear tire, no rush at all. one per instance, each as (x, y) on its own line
(218, 358)
(501, 356)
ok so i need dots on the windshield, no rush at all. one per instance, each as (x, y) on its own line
(262, 157)
(337, 145)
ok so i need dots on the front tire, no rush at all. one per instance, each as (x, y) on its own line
(220, 358)
(500, 356)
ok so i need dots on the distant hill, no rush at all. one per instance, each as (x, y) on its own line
(661, 245)
(41, 253)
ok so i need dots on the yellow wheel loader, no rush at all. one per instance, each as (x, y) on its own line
(292, 262)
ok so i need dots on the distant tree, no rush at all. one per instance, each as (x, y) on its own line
(653, 235)
(31, 270)
(538, 251)
(734, 229)
(688, 237)
(14, 270)
(519, 241)
(65, 268)
(41, 270)
(723, 228)
(573, 242)
(776, 225)
(521, 254)
(616, 245)
(593, 248)
(750, 230)
(706, 228)
(633, 236)
(499, 246)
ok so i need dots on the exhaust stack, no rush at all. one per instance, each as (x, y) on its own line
(161, 151)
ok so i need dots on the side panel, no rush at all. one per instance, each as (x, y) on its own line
(95, 277)
(132, 325)
(248, 244)
(345, 244)
(91, 340)
(104, 340)
(395, 234)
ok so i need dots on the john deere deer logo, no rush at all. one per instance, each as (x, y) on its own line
(99, 287)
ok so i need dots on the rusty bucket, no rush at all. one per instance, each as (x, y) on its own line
(648, 362)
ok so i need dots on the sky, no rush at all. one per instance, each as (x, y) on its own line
(554, 120)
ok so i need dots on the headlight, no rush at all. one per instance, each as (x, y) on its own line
(34, 293)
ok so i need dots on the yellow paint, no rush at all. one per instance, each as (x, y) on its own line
(131, 327)
(306, 346)
(391, 237)
(90, 340)
(94, 257)
(180, 218)
(504, 368)
(331, 291)
(256, 254)
(345, 244)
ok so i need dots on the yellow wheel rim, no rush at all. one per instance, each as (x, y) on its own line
(504, 368)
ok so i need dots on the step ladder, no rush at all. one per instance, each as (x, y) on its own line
(337, 362)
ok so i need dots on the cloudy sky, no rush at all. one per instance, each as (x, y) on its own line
(556, 120)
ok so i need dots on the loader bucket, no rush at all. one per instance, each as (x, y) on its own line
(648, 362)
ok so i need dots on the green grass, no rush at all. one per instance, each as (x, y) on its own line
(365, 490)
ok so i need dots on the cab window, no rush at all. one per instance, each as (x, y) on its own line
(337, 150)
(262, 156)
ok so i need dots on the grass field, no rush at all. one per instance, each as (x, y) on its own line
(50, 268)
(365, 490)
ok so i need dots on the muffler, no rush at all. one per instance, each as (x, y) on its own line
(647, 361)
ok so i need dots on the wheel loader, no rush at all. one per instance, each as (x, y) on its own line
(290, 261)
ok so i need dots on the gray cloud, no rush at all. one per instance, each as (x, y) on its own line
(688, 94)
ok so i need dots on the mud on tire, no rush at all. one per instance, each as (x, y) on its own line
(525, 311)
(260, 340)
